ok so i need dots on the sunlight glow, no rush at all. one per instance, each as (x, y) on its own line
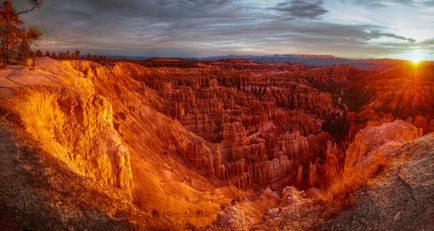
(416, 61)
(415, 57)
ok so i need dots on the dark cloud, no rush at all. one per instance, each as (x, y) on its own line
(379, 34)
(204, 27)
(128, 26)
(302, 8)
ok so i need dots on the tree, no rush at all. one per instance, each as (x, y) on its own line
(27, 39)
(15, 40)
(62, 56)
(76, 55)
(38, 53)
(47, 54)
(10, 28)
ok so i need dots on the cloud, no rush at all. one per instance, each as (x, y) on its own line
(382, 3)
(209, 27)
(302, 8)
(379, 34)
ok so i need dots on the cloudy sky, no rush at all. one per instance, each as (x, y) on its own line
(196, 28)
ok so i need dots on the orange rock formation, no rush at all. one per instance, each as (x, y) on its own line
(173, 145)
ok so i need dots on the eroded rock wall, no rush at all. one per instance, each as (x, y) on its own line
(266, 119)
(78, 129)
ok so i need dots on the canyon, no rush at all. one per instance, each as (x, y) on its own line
(168, 144)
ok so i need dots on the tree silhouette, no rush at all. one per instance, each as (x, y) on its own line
(10, 28)
(38, 53)
(76, 55)
(62, 56)
(27, 39)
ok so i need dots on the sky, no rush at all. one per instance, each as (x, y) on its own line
(199, 28)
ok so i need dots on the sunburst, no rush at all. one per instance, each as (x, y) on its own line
(416, 61)
(415, 57)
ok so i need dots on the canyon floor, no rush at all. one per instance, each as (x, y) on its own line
(171, 144)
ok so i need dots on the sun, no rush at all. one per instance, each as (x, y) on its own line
(416, 57)
(415, 60)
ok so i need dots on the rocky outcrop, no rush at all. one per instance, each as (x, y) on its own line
(39, 193)
(372, 151)
(78, 129)
(232, 219)
(399, 189)
(57, 105)
(372, 138)
(400, 197)
(296, 211)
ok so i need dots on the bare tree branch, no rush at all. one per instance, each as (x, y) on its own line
(35, 4)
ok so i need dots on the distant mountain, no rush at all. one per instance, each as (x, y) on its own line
(316, 60)
(308, 60)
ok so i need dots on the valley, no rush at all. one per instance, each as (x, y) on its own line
(186, 145)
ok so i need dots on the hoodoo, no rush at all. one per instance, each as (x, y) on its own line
(216, 143)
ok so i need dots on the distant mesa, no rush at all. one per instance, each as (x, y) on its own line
(163, 59)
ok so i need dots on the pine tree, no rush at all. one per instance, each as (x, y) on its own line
(38, 53)
(15, 40)
(10, 28)
(25, 50)
(62, 56)
(76, 55)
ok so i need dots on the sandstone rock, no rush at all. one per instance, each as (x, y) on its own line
(373, 149)
(38, 192)
(232, 219)
(251, 119)
(399, 198)
(291, 196)
(371, 138)
(78, 129)
(396, 194)
(332, 167)
(176, 140)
